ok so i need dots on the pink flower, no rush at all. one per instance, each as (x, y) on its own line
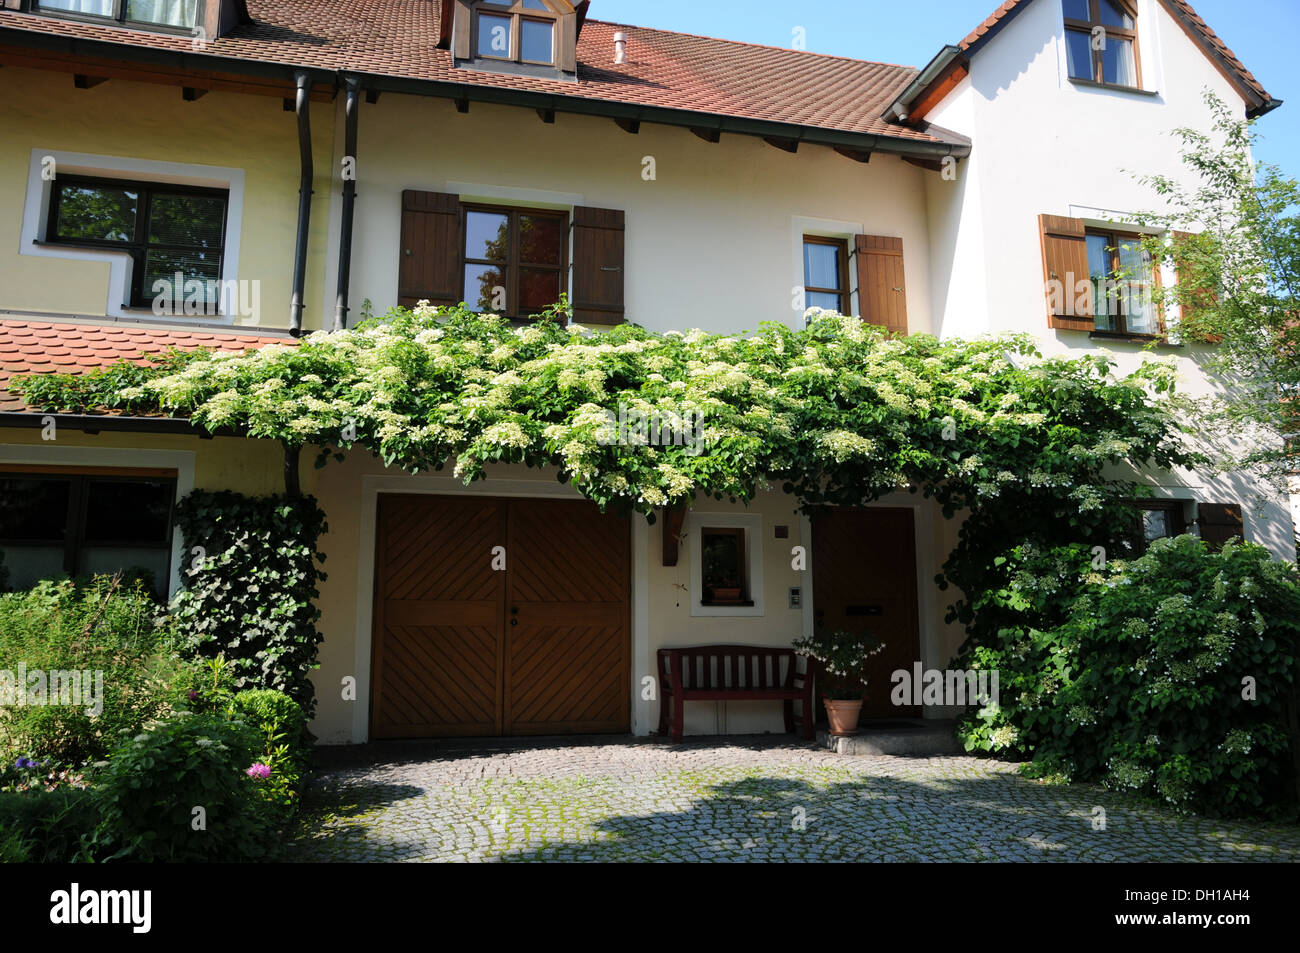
(259, 770)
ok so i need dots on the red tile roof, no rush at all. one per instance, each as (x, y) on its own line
(399, 38)
(47, 347)
(1180, 9)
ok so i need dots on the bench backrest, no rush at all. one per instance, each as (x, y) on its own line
(731, 667)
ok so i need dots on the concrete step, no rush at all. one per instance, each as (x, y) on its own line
(914, 737)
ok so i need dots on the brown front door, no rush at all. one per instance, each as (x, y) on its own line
(497, 617)
(864, 580)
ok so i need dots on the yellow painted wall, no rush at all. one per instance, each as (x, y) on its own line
(255, 467)
(146, 121)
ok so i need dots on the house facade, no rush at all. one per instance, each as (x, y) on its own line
(210, 173)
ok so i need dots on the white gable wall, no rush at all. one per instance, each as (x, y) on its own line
(1044, 145)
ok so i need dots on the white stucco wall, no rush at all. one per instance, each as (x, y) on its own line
(713, 242)
(1045, 145)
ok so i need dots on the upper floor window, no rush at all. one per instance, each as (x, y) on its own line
(1101, 42)
(1123, 279)
(523, 31)
(826, 273)
(174, 234)
(515, 259)
(181, 14)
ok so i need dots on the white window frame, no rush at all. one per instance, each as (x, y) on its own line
(36, 209)
(822, 228)
(752, 524)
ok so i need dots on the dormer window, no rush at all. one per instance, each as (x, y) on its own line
(176, 14)
(1101, 42)
(527, 37)
(523, 32)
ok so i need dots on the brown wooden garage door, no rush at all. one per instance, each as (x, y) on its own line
(463, 648)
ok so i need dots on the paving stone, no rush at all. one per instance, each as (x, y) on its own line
(727, 800)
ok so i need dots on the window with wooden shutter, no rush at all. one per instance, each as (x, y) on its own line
(1066, 273)
(882, 288)
(598, 255)
(430, 262)
(1220, 522)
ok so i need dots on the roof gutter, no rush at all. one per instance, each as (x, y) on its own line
(898, 109)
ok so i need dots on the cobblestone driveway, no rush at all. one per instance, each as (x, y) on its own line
(733, 799)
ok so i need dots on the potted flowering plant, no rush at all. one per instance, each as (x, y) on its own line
(842, 658)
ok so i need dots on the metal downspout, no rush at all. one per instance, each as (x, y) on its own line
(351, 108)
(302, 105)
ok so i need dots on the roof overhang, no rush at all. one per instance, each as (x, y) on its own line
(208, 67)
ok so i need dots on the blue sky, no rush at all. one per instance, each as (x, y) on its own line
(1261, 32)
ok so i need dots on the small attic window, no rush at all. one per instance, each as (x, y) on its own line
(520, 32)
(520, 37)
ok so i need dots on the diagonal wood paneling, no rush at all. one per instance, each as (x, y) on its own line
(447, 661)
(438, 618)
(567, 660)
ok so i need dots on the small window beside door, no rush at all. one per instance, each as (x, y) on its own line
(826, 273)
(724, 578)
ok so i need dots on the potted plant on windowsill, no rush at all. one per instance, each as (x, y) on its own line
(842, 672)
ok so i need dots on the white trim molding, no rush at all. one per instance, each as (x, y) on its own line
(36, 208)
(752, 524)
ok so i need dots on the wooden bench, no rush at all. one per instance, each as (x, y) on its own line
(732, 673)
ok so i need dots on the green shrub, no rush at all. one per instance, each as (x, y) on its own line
(48, 826)
(1170, 677)
(180, 791)
(251, 595)
(262, 708)
(101, 627)
(285, 750)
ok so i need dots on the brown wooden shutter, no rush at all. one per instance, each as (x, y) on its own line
(1065, 264)
(1220, 522)
(431, 249)
(597, 265)
(1199, 298)
(882, 289)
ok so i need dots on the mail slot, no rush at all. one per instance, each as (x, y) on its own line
(864, 610)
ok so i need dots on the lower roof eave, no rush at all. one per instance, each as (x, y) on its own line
(98, 422)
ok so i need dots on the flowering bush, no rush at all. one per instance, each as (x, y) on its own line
(178, 792)
(842, 661)
(1173, 675)
(28, 774)
(839, 412)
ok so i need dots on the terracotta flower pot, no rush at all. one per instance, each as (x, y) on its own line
(843, 715)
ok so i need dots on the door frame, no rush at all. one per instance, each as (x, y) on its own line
(373, 485)
(925, 525)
